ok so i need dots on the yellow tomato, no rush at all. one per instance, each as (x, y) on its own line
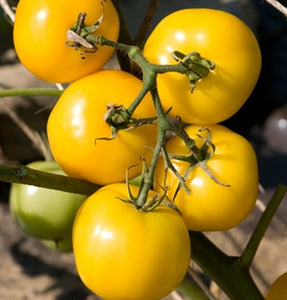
(77, 120)
(212, 206)
(40, 37)
(219, 37)
(124, 253)
(278, 289)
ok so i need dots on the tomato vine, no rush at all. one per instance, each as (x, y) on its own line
(226, 271)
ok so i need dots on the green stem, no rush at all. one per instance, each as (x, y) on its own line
(228, 272)
(150, 72)
(163, 126)
(148, 179)
(138, 99)
(96, 40)
(30, 92)
(189, 289)
(257, 235)
(137, 56)
(25, 175)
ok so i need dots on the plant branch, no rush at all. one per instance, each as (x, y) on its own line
(38, 140)
(228, 272)
(257, 235)
(30, 92)
(25, 175)
(148, 179)
(200, 282)
(139, 98)
(7, 10)
(189, 288)
(280, 7)
(145, 25)
(124, 37)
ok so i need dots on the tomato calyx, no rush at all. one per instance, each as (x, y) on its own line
(146, 204)
(198, 157)
(81, 35)
(197, 66)
(119, 118)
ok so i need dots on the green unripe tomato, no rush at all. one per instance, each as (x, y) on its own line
(44, 213)
(64, 245)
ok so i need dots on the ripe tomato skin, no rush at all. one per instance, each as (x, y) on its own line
(141, 255)
(219, 37)
(40, 37)
(44, 213)
(77, 120)
(210, 206)
(278, 289)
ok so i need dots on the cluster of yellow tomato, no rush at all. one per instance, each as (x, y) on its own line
(122, 252)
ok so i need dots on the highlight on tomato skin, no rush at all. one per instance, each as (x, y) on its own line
(40, 37)
(217, 36)
(141, 255)
(211, 203)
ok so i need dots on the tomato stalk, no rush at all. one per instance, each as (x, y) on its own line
(124, 37)
(191, 290)
(257, 235)
(192, 65)
(163, 125)
(146, 22)
(25, 175)
(150, 72)
(228, 271)
(30, 92)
